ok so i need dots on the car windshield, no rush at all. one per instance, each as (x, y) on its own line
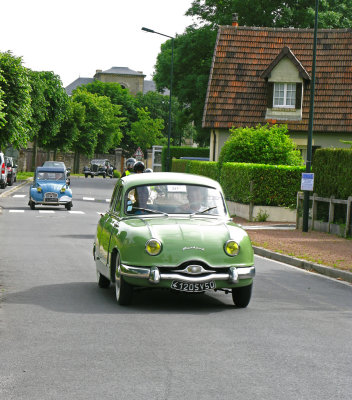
(54, 164)
(98, 162)
(50, 176)
(174, 199)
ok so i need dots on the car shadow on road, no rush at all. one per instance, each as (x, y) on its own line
(88, 298)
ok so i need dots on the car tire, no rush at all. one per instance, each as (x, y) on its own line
(32, 205)
(241, 296)
(86, 175)
(11, 182)
(123, 290)
(68, 206)
(92, 176)
(104, 176)
(103, 282)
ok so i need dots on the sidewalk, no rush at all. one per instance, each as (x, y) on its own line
(321, 252)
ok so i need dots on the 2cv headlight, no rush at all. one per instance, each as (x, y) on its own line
(231, 248)
(153, 247)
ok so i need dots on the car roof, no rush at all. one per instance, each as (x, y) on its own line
(168, 178)
(50, 169)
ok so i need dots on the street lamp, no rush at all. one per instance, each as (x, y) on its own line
(310, 124)
(171, 74)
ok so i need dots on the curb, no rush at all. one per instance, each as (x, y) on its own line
(309, 266)
(13, 189)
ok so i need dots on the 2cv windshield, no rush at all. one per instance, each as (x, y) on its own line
(174, 199)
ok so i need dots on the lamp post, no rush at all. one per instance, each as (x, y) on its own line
(310, 124)
(171, 74)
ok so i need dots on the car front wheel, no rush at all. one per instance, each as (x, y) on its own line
(124, 290)
(32, 205)
(68, 206)
(241, 296)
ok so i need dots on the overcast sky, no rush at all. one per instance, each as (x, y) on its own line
(74, 38)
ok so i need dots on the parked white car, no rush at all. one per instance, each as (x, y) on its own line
(3, 171)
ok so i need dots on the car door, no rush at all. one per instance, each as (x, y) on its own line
(107, 225)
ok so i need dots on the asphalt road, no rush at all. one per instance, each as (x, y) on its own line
(61, 337)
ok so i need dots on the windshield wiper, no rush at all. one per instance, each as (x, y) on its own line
(203, 211)
(151, 211)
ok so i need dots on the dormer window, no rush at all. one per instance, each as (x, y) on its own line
(284, 95)
(285, 77)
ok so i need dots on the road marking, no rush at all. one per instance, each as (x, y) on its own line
(89, 198)
(16, 211)
(46, 212)
(19, 195)
(107, 200)
(76, 212)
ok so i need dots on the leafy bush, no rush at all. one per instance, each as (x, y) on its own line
(261, 145)
(333, 173)
(272, 185)
(182, 151)
(117, 174)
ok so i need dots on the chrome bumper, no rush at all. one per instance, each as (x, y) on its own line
(155, 274)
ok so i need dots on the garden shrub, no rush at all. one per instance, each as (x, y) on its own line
(260, 145)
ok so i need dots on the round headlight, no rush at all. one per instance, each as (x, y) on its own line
(232, 248)
(153, 247)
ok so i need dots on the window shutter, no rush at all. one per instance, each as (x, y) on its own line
(270, 95)
(298, 95)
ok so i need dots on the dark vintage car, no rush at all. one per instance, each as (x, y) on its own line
(11, 171)
(172, 230)
(99, 167)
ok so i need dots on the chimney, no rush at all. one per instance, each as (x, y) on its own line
(235, 19)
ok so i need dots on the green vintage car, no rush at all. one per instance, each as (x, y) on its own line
(172, 230)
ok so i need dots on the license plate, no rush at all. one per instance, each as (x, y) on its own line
(192, 287)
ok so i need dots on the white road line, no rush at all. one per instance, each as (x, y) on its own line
(16, 211)
(89, 198)
(107, 200)
(76, 212)
(46, 211)
(19, 195)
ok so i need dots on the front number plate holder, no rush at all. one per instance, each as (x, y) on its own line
(192, 287)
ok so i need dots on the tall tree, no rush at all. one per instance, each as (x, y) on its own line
(147, 132)
(16, 101)
(193, 53)
(274, 13)
(99, 130)
(123, 98)
(56, 104)
(157, 105)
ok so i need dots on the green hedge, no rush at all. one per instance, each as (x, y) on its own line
(273, 185)
(205, 168)
(182, 151)
(333, 173)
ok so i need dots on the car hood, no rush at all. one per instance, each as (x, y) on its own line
(184, 239)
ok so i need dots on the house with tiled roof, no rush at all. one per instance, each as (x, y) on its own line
(132, 80)
(263, 75)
